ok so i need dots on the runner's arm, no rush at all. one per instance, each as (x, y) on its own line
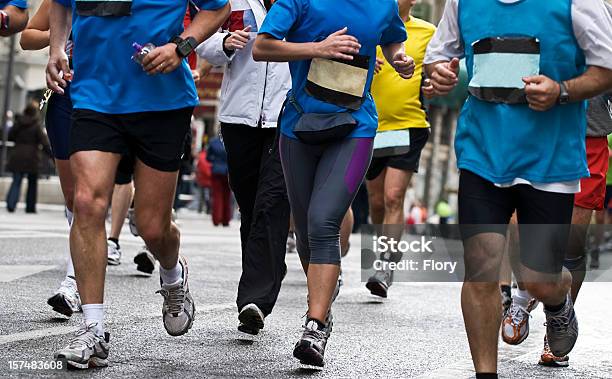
(36, 34)
(59, 26)
(18, 18)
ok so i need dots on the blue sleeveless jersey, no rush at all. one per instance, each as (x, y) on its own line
(503, 141)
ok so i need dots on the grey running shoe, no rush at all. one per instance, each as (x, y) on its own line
(310, 349)
(548, 359)
(86, 349)
(132, 222)
(562, 329)
(145, 261)
(114, 253)
(251, 319)
(379, 283)
(66, 299)
(178, 310)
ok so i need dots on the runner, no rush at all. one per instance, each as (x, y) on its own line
(505, 166)
(13, 16)
(328, 128)
(253, 96)
(125, 109)
(403, 130)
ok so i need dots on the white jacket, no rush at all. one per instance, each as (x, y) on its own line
(251, 92)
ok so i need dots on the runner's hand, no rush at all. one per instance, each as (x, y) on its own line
(338, 45)
(428, 89)
(161, 60)
(58, 71)
(195, 74)
(445, 77)
(542, 92)
(403, 64)
(238, 39)
(379, 65)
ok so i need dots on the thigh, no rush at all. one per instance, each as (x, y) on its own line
(339, 174)
(544, 225)
(396, 183)
(157, 139)
(271, 184)
(94, 174)
(153, 194)
(410, 161)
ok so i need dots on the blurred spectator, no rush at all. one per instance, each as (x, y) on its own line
(204, 181)
(221, 194)
(24, 159)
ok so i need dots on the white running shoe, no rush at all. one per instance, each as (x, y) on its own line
(66, 299)
(178, 310)
(114, 253)
(86, 349)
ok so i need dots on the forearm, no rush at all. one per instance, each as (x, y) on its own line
(206, 23)
(18, 19)
(391, 49)
(33, 39)
(595, 81)
(59, 26)
(270, 49)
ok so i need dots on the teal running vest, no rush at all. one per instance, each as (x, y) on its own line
(498, 137)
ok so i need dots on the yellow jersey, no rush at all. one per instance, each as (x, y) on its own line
(399, 101)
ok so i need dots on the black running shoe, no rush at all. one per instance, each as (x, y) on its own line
(310, 349)
(145, 261)
(379, 283)
(251, 319)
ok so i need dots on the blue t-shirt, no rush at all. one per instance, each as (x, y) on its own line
(23, 4)
(373, 23)
(106, 80)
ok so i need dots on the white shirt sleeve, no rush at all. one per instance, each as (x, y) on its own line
(592, 24)
(446, 43)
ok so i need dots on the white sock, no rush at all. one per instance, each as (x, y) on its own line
(69, 216)
(173, 275)
(521, 297)
(94, 313)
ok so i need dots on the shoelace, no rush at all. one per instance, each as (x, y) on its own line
(313, 334)
(174, 298)
(516, 312)
(84, 337)
(559, 323)
(69, 283)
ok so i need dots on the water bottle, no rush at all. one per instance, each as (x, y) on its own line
(141, 51)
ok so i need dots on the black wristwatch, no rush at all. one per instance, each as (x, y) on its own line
(564, 97)
(184, 47)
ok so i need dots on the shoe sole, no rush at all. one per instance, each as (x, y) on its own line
(558, 364)
(377, 289)
(59, 305)
(92, 363)
(112, 262)
(511, 342)
(251, 320)
(307, 355)
(143, 264)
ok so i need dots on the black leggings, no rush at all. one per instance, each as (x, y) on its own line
(322, 181)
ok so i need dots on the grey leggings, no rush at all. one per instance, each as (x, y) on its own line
(322, 181)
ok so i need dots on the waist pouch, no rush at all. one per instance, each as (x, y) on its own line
(104, 8)
(391, 143)
(500, 63)
(321, 128)
(339, 82)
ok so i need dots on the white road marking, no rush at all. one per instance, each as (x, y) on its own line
(9, 273)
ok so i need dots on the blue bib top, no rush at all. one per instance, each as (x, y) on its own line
(106, 80)
(373, 23)
(501, 142)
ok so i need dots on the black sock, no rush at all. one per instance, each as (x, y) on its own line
(555, 308)
(115, 240)
(486, 375)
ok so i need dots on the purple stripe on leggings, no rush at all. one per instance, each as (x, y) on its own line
(358, 164)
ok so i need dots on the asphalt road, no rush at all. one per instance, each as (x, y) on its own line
(417, 332)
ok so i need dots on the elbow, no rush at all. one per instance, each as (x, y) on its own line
(257, 53)
(24, 41)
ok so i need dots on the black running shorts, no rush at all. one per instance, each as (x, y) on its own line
(155, 138)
